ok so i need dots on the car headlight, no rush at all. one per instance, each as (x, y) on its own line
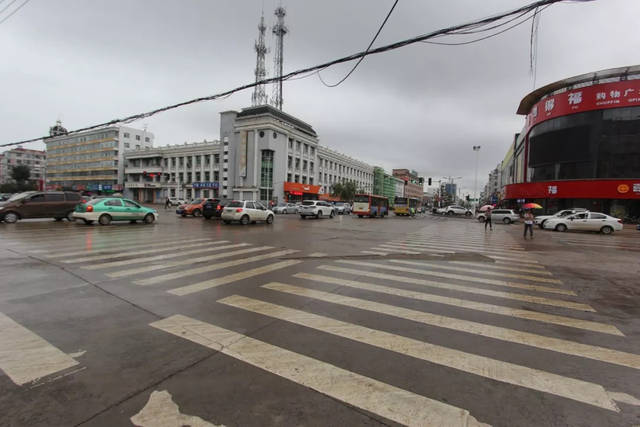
(1, 207)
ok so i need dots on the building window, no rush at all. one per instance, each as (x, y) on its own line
(137, 147)
(216, 176)
(306, 148)
(297, 178)
(197, 176)
(173, 162)
(304, 179)
(288, 177)
(126, 135)
(310, 180)
(266, 174)
(313, 151)
(137, 137)
(181, 177)
(298, 144)
(297, 163)
(127, 145)
(290, 143)
(304, 165)
(216, 159)
(310, 167)
(207, 176)
(289, 162)
(146, 139)
(189, 177)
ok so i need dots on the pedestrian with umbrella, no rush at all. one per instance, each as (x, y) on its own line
(487, 216)
(528, 218)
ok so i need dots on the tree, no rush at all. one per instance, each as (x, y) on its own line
(20, 174)
(345, 191)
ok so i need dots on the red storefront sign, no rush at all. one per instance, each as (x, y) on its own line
(579, 189)
(598, 97)
(298, 189)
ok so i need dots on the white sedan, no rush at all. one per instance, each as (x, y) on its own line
(585, 221)
(246, 211)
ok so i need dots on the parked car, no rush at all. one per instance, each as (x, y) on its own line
(192, 208)
(585, 221)
(500, 215)
(342, 208)
(37, 204)
(106, 210)
(246, 211)
(316, 208)
(213, 208)
(455, 210)
(541, 219)
(286, 208)
(174, 201)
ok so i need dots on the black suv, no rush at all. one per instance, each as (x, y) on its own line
(214, 208)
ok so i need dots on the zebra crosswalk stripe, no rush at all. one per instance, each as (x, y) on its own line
(153, 250)
(480, 270)
(476, 279)
(529, 339)
(209, 268)
(219, 281)
(366, 393)
(510, 373)
(461, 288)
(499, 265)
(457, 247)
(148, 268)
(96, 249)
(468, 304)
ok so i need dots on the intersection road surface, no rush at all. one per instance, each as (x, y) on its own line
(428, 321)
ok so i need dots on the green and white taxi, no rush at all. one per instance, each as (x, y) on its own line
(109, 209)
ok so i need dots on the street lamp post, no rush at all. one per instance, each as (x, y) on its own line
(476, 148)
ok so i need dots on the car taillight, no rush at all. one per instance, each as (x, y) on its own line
(239, 210)
(89, 208)
(218, 207)
(620, 221)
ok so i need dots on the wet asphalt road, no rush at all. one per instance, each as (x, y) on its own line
(344, 321)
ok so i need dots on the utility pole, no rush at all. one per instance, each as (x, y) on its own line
(259, 96)
(476, 148)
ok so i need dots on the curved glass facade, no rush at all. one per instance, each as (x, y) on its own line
(602, 144)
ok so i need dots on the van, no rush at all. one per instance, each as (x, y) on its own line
(37, 204)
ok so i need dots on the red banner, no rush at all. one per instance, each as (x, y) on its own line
(579, 189)
(292, 187)
(598, 97)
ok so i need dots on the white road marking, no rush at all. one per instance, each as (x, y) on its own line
(318, 254)
(467, 278)
(151, 249)
(390, 402)
(558, 345)
(395, 250)
(462, 288)
(162, 411)
(175, 254)
(480, 270)
(624, 398)
(219, 281)
(25, 356)
(470, 305)
(206, 269)
(96, 248)
(77, 354)
(510, 373)
(499, 265)
(457, 248)
(462, 244)
(466, 241)
(189, 261)
(374, 253)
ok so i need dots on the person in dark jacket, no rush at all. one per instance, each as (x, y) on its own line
(487, 220)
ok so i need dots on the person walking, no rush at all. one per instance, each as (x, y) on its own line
(487, 220)
(528, 224)
(167, 203)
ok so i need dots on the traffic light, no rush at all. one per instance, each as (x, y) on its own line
(429, 182)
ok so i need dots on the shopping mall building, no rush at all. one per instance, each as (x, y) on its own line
(580, 146)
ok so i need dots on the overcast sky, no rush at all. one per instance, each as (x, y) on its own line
(421, 107)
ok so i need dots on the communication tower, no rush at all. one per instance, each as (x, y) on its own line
(279, 30)
(259, 96)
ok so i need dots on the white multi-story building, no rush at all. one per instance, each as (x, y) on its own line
(184, 171)
(92, 160)
(33, 159)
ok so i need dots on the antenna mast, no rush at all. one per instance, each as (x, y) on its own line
(259, 96)
(279, 29)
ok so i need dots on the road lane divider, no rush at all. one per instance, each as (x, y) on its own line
(219, 281)
(493, 369)
(362, 392)
(468, 304)
(209, 268)
(558, 345)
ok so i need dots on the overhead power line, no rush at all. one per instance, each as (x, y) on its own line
(13, 12)
(366, 51)
(352, 57)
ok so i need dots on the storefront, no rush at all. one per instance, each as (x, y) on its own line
(582, 145)
(296, 192)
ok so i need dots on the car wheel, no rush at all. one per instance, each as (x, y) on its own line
(450, 213)
(226, 221)
(561, 227)
(480, 219)
(245, 220)
(541, 225)
(319, 214)
(507, 220)
(57, 219)
(88, 221)
(197, 212)
(104, 219)
(183, 215)
(303, 217)
(207, 216)
(149, 218)
(270, 219)
(467, 213)
(359, 216)
(70, 217)
(11, 217)
(606, 230)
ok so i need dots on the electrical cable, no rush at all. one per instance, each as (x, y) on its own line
(7, 6)
(352, 57)
(366, 51)
(14, 10)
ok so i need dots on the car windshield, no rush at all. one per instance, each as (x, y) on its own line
(20, 196)
(361, 199)
(196, 201)
(95, 201)
(308, 203)
(235, 204)
(339, 203)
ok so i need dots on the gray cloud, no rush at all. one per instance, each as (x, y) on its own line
(421, 107)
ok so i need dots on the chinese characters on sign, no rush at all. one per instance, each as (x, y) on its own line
(553, 189)
(575, 98)
(206, 184)
(636, 188)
